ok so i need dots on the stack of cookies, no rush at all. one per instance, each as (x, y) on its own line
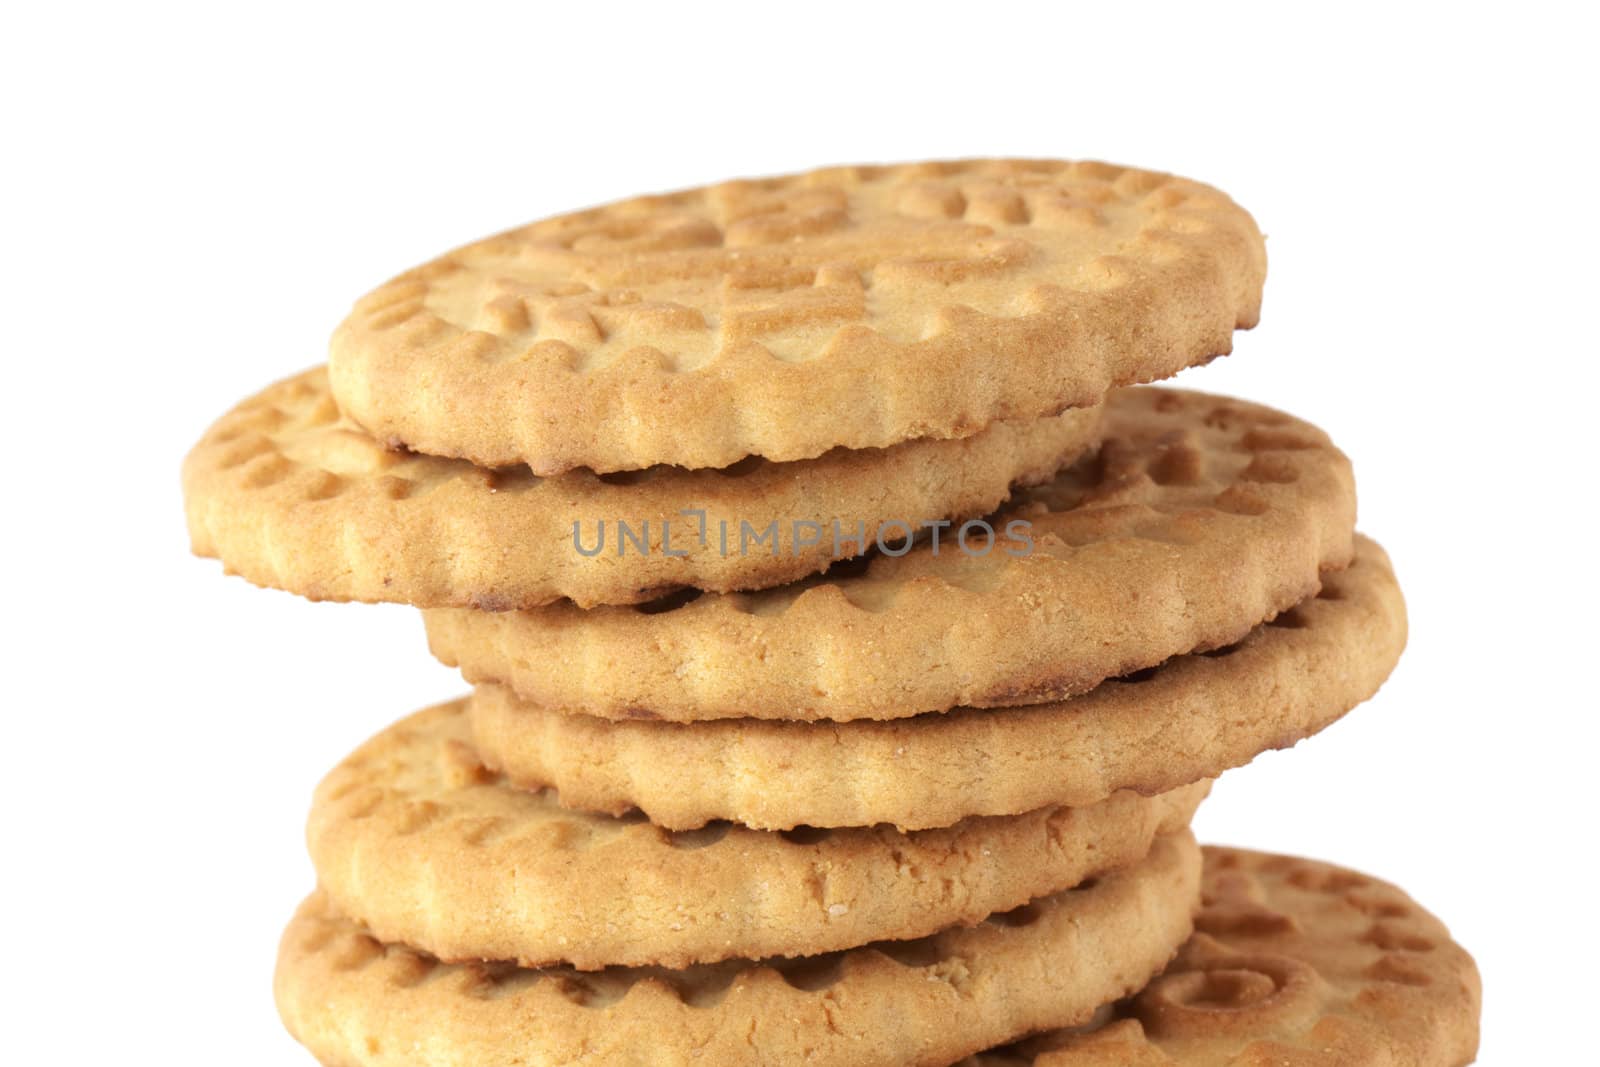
(853, 639)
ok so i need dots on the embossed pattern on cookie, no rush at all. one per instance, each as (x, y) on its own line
(1198, 518)
(1293, 962)
(782, 317)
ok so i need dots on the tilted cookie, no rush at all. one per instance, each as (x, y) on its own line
(1293, 963)
(354, 1000)
(289, 494)
(1199, 517)
(412, 837)
(855, 307)
(1192, 717)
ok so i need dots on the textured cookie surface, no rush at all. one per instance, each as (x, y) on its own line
(855, 307)
(291, 495)
(414, 839)
(1198, 517)
(353, 1000)
(1192, 717)
(1293, 964)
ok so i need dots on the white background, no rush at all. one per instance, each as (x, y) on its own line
(193, 197)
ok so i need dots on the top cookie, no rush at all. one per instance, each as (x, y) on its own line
(783, 317)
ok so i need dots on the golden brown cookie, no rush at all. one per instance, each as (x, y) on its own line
(1293, 964)
(1192, 717)
(289, 494)
(354, 1000)
(855, 307)
(413, 838)
(1199, 517)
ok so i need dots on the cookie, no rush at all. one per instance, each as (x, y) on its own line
(1198, 518)
(1192, 717)
(415, 839)
(354, 1000)
(855, 307)
(1293, 963)
(289, 494)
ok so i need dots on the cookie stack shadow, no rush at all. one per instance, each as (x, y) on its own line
(853, 638)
